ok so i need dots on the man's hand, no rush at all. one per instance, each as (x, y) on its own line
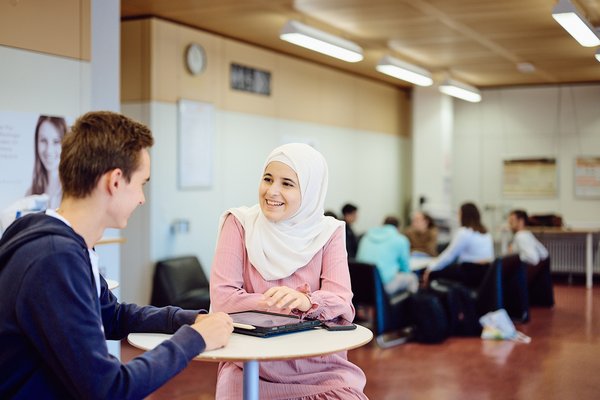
(286, 299)
(215, 329)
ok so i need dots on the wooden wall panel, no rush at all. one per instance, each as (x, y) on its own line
(60, 28)
(153, 69)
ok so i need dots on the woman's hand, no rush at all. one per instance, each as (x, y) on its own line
(286, 299)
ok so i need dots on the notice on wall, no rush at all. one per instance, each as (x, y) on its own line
(196, 135)
(587, 177)
(533, 177)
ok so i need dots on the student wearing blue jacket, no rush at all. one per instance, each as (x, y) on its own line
(389, 250)
(56, 311)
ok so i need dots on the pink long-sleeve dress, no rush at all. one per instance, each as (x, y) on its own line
(235, 285)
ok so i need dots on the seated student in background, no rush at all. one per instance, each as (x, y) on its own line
(284, 255)
(422, 235)
(56, 310)
(470, 248)
(524, 243)
(389, 250)
(349, 215)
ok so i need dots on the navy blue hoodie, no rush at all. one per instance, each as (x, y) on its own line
(53, 326)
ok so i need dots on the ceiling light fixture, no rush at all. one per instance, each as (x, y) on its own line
(314, 39)
(571, 19)
(460, 90)
(598, 55)
(402, 70)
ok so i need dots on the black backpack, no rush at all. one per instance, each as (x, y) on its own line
(460, 305)
(428, 317)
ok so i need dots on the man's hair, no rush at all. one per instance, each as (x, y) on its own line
(348, 209)
(97, 143)
(391, 220)
(521, 215)
(470, 217)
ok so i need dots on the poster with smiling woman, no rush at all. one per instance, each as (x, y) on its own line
(30, 147)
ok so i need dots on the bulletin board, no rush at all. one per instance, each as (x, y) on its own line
(531, 177)
(587, 177)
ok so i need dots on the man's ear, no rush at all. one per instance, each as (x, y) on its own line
(114, 180)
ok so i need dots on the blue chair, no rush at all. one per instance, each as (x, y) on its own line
(389, 314)
(515, 295)
(539, 282)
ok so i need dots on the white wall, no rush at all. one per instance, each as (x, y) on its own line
(364, 168)
(43, 83)
(550, 121)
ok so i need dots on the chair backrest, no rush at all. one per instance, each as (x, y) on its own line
(489, 293)
(175, 276)
(514, 287)
(539, 282)
(389, 313)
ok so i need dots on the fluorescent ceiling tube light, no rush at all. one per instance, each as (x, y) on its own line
(314, 39)
(569, 17)
(460, 90)
(402, 70)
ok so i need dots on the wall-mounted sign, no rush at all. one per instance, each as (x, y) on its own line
(250, 79)
(530, 177)
(587, 177)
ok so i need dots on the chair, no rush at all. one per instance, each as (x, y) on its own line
(389, 314)
(514, 287)
(180, 282)
(539, 283)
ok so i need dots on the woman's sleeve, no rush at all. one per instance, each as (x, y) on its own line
(227, 291)
(451, 253)
(334, 297)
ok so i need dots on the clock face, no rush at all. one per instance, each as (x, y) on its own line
(195, 58)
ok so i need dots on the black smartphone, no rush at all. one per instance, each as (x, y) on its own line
(338, 324)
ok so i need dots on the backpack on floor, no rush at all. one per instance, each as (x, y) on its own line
(428, 318)
(460, 305)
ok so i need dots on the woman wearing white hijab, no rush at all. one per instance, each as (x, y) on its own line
(283, 255)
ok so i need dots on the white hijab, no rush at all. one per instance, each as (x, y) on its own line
(278, 249)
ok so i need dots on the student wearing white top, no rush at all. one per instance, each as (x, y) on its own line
(524, 243)
(471, 247)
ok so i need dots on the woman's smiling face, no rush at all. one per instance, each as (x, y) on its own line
(279, 192)
(49, 144)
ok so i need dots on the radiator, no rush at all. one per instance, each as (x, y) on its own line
(567, 251)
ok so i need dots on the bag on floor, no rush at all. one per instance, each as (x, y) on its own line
(428, 317)
(497, 325)
(461, 308)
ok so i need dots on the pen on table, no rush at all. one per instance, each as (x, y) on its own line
(243, 326)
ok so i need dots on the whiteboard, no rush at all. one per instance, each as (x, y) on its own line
(196, 126)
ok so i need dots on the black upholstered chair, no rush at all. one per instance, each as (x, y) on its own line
(388, 314)
(539, 283)
(515, 295)
(483, 281)
(180, 282)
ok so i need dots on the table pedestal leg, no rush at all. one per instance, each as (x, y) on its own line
(588, 261)
(251, 380)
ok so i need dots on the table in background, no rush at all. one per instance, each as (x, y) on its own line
(419, 263)
(251, 350)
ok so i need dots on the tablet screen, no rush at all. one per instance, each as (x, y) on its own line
(265, 320)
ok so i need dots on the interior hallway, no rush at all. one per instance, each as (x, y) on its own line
(561, 362)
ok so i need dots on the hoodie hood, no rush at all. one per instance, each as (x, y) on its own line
(30, 228)
(381, 233)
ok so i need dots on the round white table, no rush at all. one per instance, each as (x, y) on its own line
(251, 350)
